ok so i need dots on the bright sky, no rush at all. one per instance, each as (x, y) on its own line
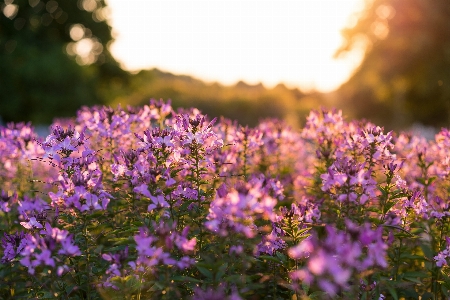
(228, 40)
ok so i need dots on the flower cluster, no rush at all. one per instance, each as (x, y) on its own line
(333, 261)
(151, 254)
(236, 210)
(48, 248)
(154, 203)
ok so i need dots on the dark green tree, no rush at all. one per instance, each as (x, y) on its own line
(405, 74)
(54, 58)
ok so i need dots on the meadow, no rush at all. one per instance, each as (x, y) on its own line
(151, 203)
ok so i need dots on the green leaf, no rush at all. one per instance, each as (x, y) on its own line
(281, 256)
(156, 287)
(421, 180)
(271, 258)
(399, 228)
(427, 251)
(46, 295)
(412, 256)
(305, 287)
(417, 231)
(116, 248)
(70, 289)
(388, 206)
(186, 279)
(207, 273)
(122, 241)
(383, 191)
(412, 279)
(221, 271)
(416, 274)
(392, 291)
(317, 295)
(427, 296)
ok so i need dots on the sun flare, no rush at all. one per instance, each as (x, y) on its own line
(226, 41)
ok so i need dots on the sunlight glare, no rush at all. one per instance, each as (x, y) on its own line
(256, 41)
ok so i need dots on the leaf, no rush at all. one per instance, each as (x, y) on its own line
(221, 271)
(383, 191)
(416, 274)
(46, 295)
(412, 279)
(156, 287)
(116, 248)
(186, 279)
(122, 241)
(305, 287)
(421, 180)
(417, 231)
(397, 194)
(388, 206)
(427, 251)
(70, 289)
(317, 295)
(271, 258)
(412, 256)
(392, 291)
(207, 273)
(281, 256)
(427, 296)
(131, 282)
(397, 227)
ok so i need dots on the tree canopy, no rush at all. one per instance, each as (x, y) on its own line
(404, 77)
(53, 57)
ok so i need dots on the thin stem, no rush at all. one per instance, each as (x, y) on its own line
(86, 245)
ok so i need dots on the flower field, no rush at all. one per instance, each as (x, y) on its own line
(152, 203)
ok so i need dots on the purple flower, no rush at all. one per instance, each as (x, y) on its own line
(152, 255)
(6, 201)
(13, 245)
(158, 202)
(31, 223)
(42, 250)
(91, 203)
(143, 190)
(333, 261)
(271, 243)
(441, 257)
(237, 210)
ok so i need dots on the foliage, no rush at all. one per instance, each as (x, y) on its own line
(404, 75)
(242, 102)
(58, 50)
(149, 203)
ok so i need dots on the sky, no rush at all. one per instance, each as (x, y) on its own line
(271, 42)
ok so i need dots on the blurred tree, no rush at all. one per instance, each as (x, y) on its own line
(53, 58)
(242, 102)
(405, 74)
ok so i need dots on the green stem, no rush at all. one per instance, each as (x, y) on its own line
(197, 181)
(245, 158)
(435, 268)
(86, 245)
(397, 259)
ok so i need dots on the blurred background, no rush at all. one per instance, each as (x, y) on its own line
(387, 61)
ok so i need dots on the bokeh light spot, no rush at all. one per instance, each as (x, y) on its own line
(10, 46)
(10, 11)
(33, 3)
(380, 29)
(51, 6)
(77, 32)
(19, 23)
(88, 5)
